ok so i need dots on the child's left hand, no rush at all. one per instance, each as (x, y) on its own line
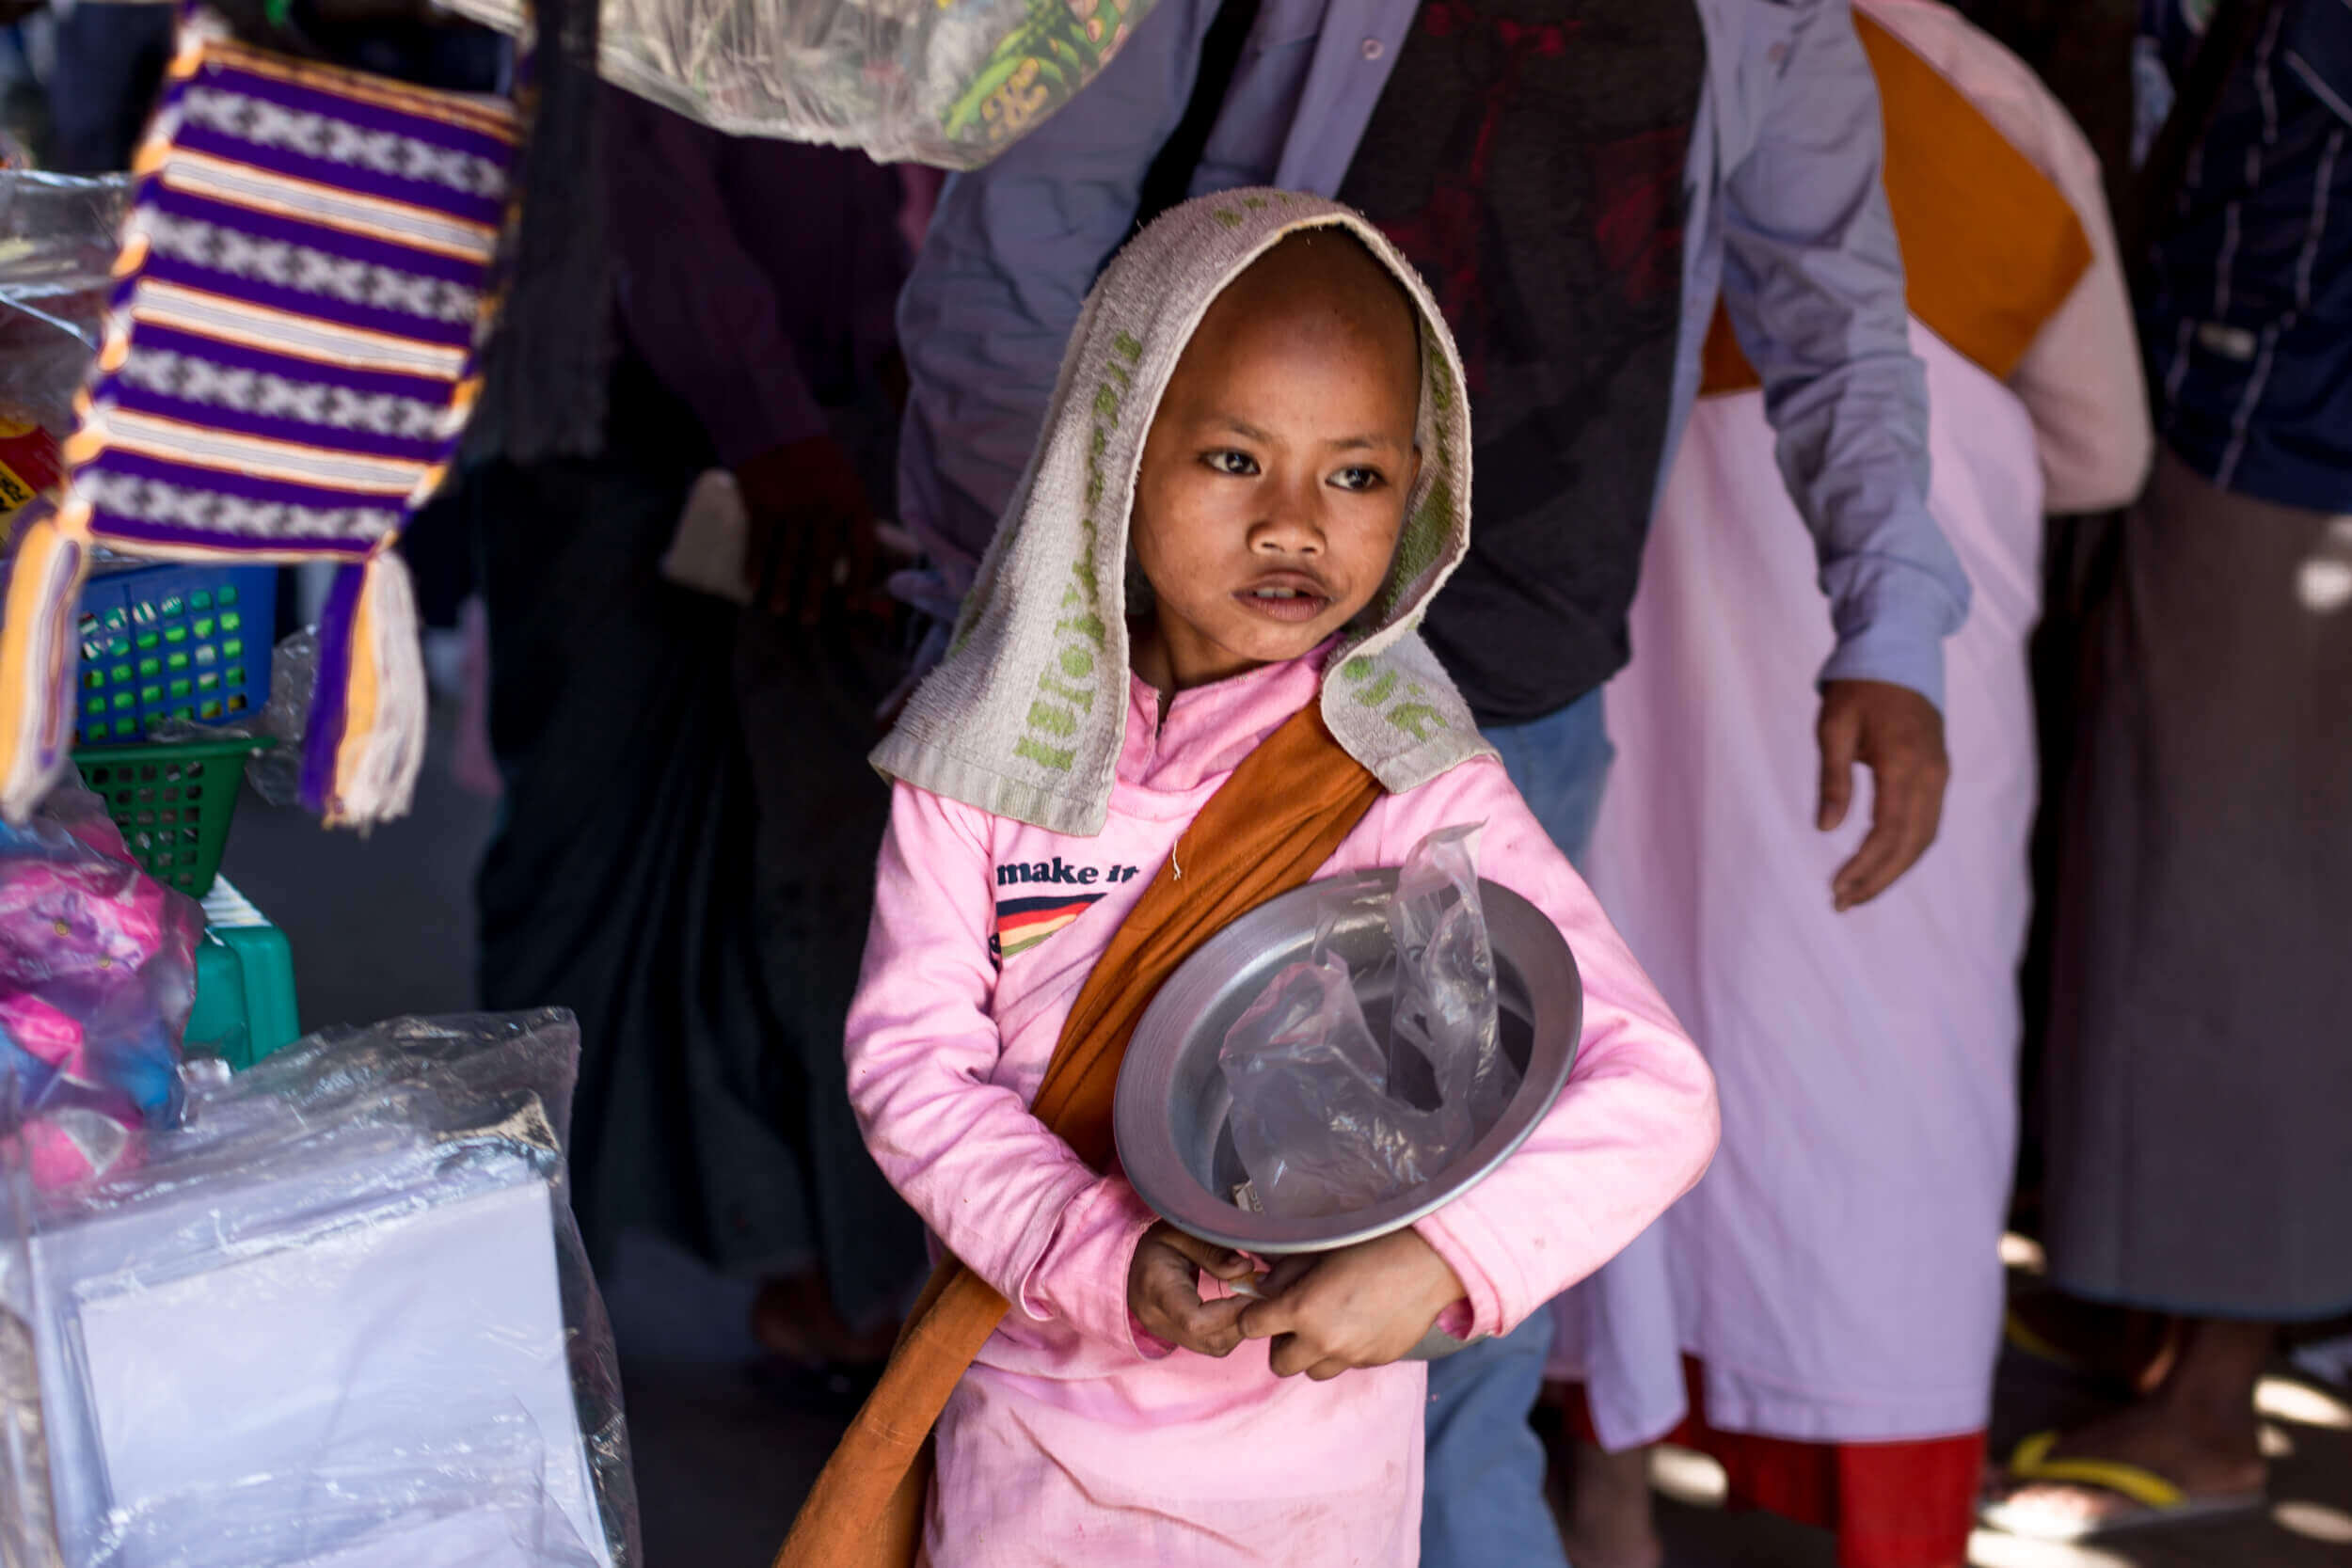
(1364, 1306)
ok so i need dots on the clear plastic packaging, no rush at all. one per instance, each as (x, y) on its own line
(339, 1318)
(1313, 1121)
(1326, 1121)
(1445, 982)
(58, 237)
(276, 774)
(482, 1504)
(28, 1529)
(950, 83)
(97, 975)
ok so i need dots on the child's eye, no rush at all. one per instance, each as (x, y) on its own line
(1359, 479)
(1238, 464)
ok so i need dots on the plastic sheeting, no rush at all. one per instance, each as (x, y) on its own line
(58, 236)
(944, 82)
(274, 773)
(338, 1319)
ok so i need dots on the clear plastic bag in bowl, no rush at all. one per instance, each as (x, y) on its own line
(950, 83)
(1313, 1121)
(1445, 982)
(1325, 1120)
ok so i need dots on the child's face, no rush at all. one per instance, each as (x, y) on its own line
(1276, 475)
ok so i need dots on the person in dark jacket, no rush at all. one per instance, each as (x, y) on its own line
(686, 854)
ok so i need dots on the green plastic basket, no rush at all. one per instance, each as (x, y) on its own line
(173, 802)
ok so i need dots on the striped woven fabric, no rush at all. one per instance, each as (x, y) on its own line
(287, 364)
(303, 277)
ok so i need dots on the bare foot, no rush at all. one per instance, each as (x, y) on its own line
(1609, 1523)
(2212, 1457)
(2196, 1431)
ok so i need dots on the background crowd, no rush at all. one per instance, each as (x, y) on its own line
(1912, 578)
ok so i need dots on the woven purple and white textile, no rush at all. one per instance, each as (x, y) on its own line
(288, 360)
(287, 365)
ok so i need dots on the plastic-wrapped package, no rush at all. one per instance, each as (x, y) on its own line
(339, 1318)
(58, 237)
(950, 83)
(476, 1505)
(1326, 1122)
(97, 975)
(28, 1530)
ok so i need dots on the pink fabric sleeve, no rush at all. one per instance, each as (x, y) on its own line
(1637, 1123)
(1006, 1195)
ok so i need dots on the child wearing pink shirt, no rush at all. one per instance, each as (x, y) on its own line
(1255, 477)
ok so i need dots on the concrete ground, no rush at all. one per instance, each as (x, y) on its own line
(724, 1452)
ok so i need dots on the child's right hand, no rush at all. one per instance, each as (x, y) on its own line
(1164, 1290)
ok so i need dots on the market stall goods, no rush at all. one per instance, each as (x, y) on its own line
(286, 358)
(339, 1317)
(949, 83)
(97, 976)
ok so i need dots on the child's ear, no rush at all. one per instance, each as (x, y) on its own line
(1412, 475)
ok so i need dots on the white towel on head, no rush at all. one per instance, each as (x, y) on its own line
(1026, 716)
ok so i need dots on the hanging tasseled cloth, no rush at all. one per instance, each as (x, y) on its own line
(287, 363)
(43, 582)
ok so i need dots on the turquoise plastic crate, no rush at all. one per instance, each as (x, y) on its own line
(245, 988)
(169, 640)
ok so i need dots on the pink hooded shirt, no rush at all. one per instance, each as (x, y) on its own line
(1072, 1440)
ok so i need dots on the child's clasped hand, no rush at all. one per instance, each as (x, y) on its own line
(1164, 1290)
(1364, 1306)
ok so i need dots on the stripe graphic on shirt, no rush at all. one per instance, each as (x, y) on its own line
(1023, 923)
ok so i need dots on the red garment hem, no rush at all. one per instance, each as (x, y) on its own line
(1893, 1505)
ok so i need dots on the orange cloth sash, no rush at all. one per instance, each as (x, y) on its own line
(1990, 247)
(1271, 827)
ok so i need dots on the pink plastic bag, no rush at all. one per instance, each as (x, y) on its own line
(97, 975)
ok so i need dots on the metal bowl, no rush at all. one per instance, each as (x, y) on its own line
(1172, 1107)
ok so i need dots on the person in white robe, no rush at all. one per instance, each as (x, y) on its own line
(1825, 1308)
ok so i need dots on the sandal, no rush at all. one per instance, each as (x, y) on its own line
(2153, 1501)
